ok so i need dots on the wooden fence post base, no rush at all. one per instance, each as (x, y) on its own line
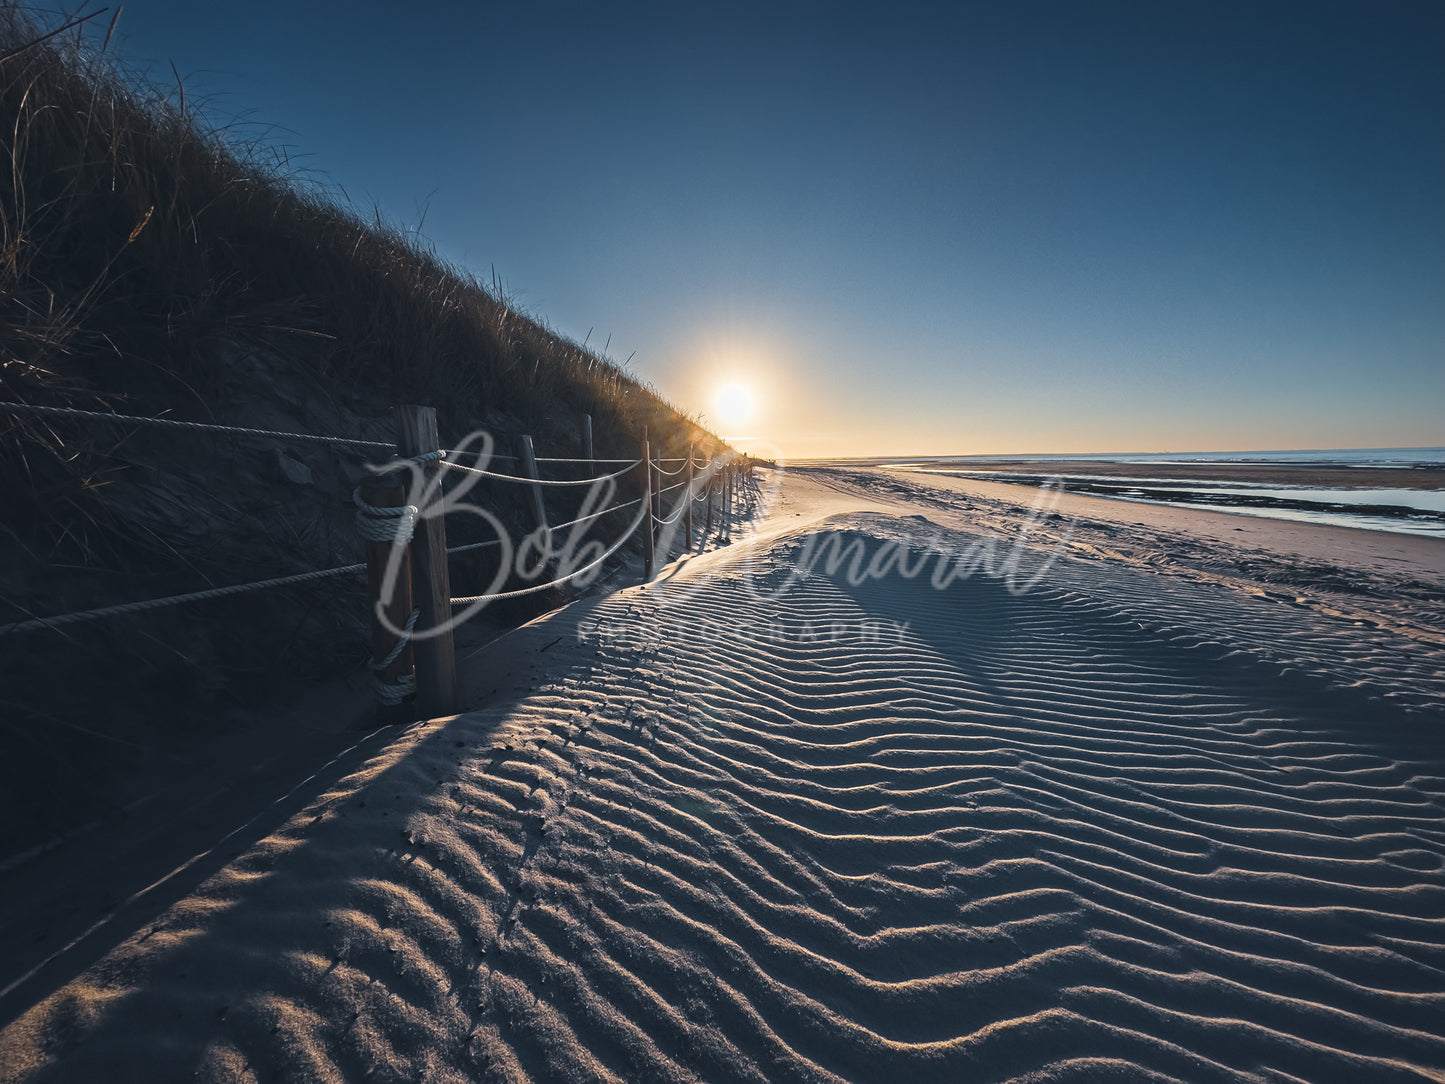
(687, 514)
(416, 428)
(539, 507)
(727, 500)
(387, 493)
(649, 526)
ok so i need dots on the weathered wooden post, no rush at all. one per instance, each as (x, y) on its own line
(654, 483)
(587, 437)
(539, 508)
(416, 434)
(649, 526)
(687, 514)
(727, 500)
(396, 678)
(711, 483)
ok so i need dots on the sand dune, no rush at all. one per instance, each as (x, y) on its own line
(758, 826)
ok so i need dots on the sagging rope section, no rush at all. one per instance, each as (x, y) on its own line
(173, 423)
(631, 530)
(173, 600)
(558, 482)
(676, 515)
(394, 525)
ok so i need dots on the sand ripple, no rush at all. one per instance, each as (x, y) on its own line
(1112, 829)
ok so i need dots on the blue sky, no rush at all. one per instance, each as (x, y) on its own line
(982, 227)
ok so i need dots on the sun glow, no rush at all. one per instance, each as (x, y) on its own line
(734, 404)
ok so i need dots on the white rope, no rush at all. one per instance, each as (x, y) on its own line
(394, 692)
(374, 521)
(375, 524)
(669, 473)
(452, 453)
(396, 464)
(28, 408)
(381, 524)
(554, 459)
(173, 600)
(555, 527)
(557, 583)
(397, 691)
(543, 481)
(388, 534)
(474, 546)
(540, 459)
(594, 515)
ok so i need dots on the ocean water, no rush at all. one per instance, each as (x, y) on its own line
(1396, 508)
(1423, 458)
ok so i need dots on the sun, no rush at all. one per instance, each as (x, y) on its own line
(734, 404)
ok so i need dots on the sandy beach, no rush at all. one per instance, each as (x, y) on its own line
(911, 781)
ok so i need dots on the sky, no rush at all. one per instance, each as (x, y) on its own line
(968, 228)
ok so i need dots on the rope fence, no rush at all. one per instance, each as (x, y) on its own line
(172, 423)
(174, 600)
(556, 482)
(676, 515)
(605, 462)
(452, 454)
(406, 546)
(593, 515)
(518, 593)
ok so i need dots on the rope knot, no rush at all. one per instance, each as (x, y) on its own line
(394, 692)
(377, 524)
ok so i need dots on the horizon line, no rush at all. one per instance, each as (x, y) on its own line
(1217, 451)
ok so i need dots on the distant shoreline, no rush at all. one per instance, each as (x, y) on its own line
(1407, 458)
(1258, 473)
(1397, 499)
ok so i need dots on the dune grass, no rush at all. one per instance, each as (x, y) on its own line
(134, 235)
(148, 258)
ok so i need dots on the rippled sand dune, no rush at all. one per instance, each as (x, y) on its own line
(758, 826)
